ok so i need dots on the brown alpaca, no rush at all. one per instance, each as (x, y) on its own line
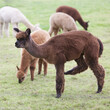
(73, 13)
(28, 60)
(72, 45)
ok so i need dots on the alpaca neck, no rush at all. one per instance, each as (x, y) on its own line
(36, 50)
(81, 21)
(27, 23)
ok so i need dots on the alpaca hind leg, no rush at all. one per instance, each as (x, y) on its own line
(65, 30)
(40, 65)
(32, 68)
(6, 29)
(81, 66)
(1, 30)
(56, 31)
(45, 67)
(98, 71)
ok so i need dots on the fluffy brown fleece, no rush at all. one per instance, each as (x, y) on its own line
(80, 46)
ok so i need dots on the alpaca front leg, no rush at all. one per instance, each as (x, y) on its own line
(6, 29)
(32, 69)
(50, 31)
(1, 30)
(60, 81)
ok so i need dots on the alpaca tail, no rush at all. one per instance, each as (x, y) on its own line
(101, 47)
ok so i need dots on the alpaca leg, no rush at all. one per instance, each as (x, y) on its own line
(45, 67)
(56, 31)
(1, 30)
(82, 66)
(65, 30)
(6, 29)
(15, 25)
(32, 68)
(97, 69)
(50, 31)
(59, 79)
(40, 65)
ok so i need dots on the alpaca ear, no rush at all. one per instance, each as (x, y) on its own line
(17, 68)
(28, 31)
(16, 29)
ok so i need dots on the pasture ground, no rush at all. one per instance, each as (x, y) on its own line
(40, 94)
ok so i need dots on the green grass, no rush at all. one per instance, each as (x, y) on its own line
(40, 94)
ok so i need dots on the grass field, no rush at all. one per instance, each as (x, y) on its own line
(40, 94)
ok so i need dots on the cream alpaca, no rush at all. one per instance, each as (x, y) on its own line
(13, 16)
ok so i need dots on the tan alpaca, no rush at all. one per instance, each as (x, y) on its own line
(62, 21)
(28, 60)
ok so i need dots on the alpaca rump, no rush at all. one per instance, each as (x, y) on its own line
(74, 14)
(80, 46)
(28, 61)
(13, 16)
(62, 21)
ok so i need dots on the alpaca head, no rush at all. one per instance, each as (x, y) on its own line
(22, 38)
(36, 27)
(86, 24)
(20, 74)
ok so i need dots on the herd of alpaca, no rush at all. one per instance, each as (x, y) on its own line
(73, 44)
(13, 16)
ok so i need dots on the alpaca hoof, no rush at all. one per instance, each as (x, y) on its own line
(66, 73)
(38, 73)
(32, 79)
(98, 91)
(58, 96)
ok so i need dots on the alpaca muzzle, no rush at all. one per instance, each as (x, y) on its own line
(19, 81)
(17, 45)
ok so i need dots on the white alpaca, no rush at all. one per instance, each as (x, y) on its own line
(14, 16)
(62, 21)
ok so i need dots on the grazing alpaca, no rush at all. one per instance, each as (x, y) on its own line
(14, 16)
(27, 60)
(74, 14)
(68, 46)
(61, 21)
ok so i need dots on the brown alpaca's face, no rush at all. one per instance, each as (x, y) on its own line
(22, 38)
(20, 43)
(86, 25)
(20, 75)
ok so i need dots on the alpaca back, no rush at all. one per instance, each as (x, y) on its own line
(10, 14)
(40, 36)
(70, 11)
